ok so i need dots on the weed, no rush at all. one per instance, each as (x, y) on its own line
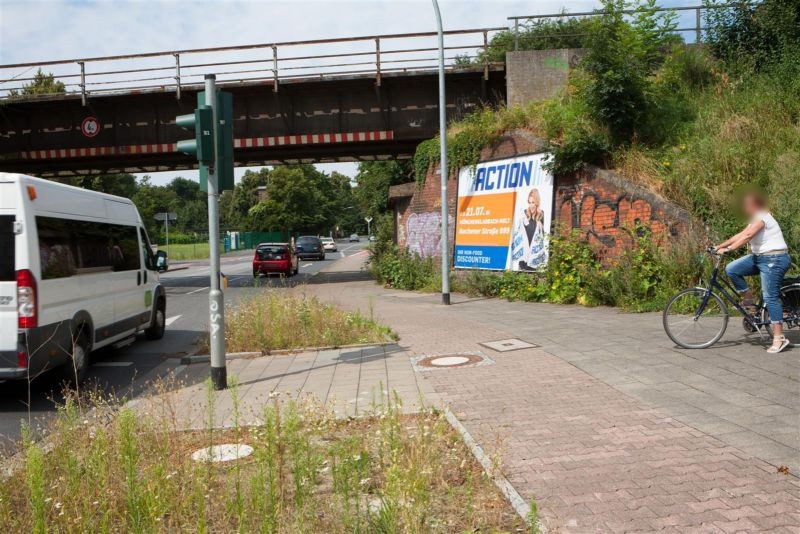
(273, 320)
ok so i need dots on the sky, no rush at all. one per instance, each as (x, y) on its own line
(38, 30)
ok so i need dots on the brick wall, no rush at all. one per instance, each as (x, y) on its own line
(600, 204)
(607, 209)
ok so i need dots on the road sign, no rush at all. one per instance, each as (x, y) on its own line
(90, 126)
(166, 216)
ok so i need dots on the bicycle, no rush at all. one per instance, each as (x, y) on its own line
(697, 317)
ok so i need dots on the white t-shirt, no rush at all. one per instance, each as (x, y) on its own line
(770, 238)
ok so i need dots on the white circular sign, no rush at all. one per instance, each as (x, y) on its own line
(90, 126)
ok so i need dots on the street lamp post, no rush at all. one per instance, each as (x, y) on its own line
(443, 161)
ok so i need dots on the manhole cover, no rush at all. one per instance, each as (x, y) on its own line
(506, 345)
(222, 453)
(445, 361)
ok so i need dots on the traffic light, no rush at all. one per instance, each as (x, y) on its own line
(202, 146)
(224, 142)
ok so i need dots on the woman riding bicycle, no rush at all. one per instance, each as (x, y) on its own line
(769, 257)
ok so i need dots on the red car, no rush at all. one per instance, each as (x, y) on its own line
(275, 258)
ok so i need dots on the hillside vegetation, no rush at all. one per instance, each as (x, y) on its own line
(698, 124)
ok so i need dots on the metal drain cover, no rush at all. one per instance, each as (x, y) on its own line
(449, 361)
(506, 345)
(222, 453)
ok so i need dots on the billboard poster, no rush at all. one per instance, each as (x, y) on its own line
(504, 214)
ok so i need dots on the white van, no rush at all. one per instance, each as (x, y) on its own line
(76, 274)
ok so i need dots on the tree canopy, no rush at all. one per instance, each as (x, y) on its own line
(42, 84)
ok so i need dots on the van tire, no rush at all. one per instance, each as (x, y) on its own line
(74, 371)
(158, 325)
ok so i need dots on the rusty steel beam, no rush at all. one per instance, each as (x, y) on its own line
(137, 129)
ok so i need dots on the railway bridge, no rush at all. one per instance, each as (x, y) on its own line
(371, 97)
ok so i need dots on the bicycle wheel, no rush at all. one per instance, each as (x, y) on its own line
(790, 298)
(689, 330)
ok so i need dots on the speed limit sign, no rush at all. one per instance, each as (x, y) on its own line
(90, 126)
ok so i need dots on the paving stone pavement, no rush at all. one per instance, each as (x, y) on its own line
(607, 425)
(349, 381)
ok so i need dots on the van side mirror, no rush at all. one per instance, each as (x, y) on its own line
(161, 261)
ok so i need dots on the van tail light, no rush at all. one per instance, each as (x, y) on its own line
(22, 359)
(26, 299)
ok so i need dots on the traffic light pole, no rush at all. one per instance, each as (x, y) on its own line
(216, 305)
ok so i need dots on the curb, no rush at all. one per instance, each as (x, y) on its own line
(183, 268)
(205, 358)
(517, 502)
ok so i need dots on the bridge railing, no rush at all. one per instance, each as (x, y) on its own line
(269, 63)
(689, 20)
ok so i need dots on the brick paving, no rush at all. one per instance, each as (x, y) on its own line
(606, 425)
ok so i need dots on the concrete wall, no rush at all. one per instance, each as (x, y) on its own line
(600, 204)
(538, 74)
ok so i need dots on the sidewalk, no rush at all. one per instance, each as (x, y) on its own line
(609, 427)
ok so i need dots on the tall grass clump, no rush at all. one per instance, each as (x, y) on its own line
(309, 472)
(273, 320)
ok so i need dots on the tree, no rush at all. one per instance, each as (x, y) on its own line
(541, 34)
(347, 216)
(374, 179)
(294, 203)
(622, 54)
(42, 84)
(235, 205)
(151, 199)
(121, 185)
(753, 35)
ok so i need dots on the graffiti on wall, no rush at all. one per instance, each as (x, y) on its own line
(610, 219)
(423, 233)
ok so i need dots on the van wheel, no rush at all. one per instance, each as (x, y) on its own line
(74, 371)
(157, 327)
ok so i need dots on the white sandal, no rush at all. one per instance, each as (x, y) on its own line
(784, 343)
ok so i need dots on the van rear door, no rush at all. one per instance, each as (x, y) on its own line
(8, 285)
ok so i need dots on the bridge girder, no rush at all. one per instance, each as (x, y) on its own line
(311, 120)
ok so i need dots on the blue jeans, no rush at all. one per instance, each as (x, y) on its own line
(772, 269)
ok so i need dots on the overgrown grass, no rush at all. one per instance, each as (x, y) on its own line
(186, 251)
(308, 473)
(642, 278)
(274, 320)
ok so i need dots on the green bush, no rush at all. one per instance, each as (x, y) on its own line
(621, 55)
(641, 279)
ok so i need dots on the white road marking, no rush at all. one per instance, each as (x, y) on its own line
(342, 254)
(196, 290)
(306, 265)
(112, 364)
(169, 320)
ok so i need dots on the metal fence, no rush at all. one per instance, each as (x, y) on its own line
(694, 25)
(269, 63)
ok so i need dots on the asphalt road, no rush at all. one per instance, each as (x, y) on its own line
(125, 371)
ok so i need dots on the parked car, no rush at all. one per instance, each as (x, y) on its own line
(329, 244)
(77, 273)
(275, 258)
(354, 238)
(310, 247)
